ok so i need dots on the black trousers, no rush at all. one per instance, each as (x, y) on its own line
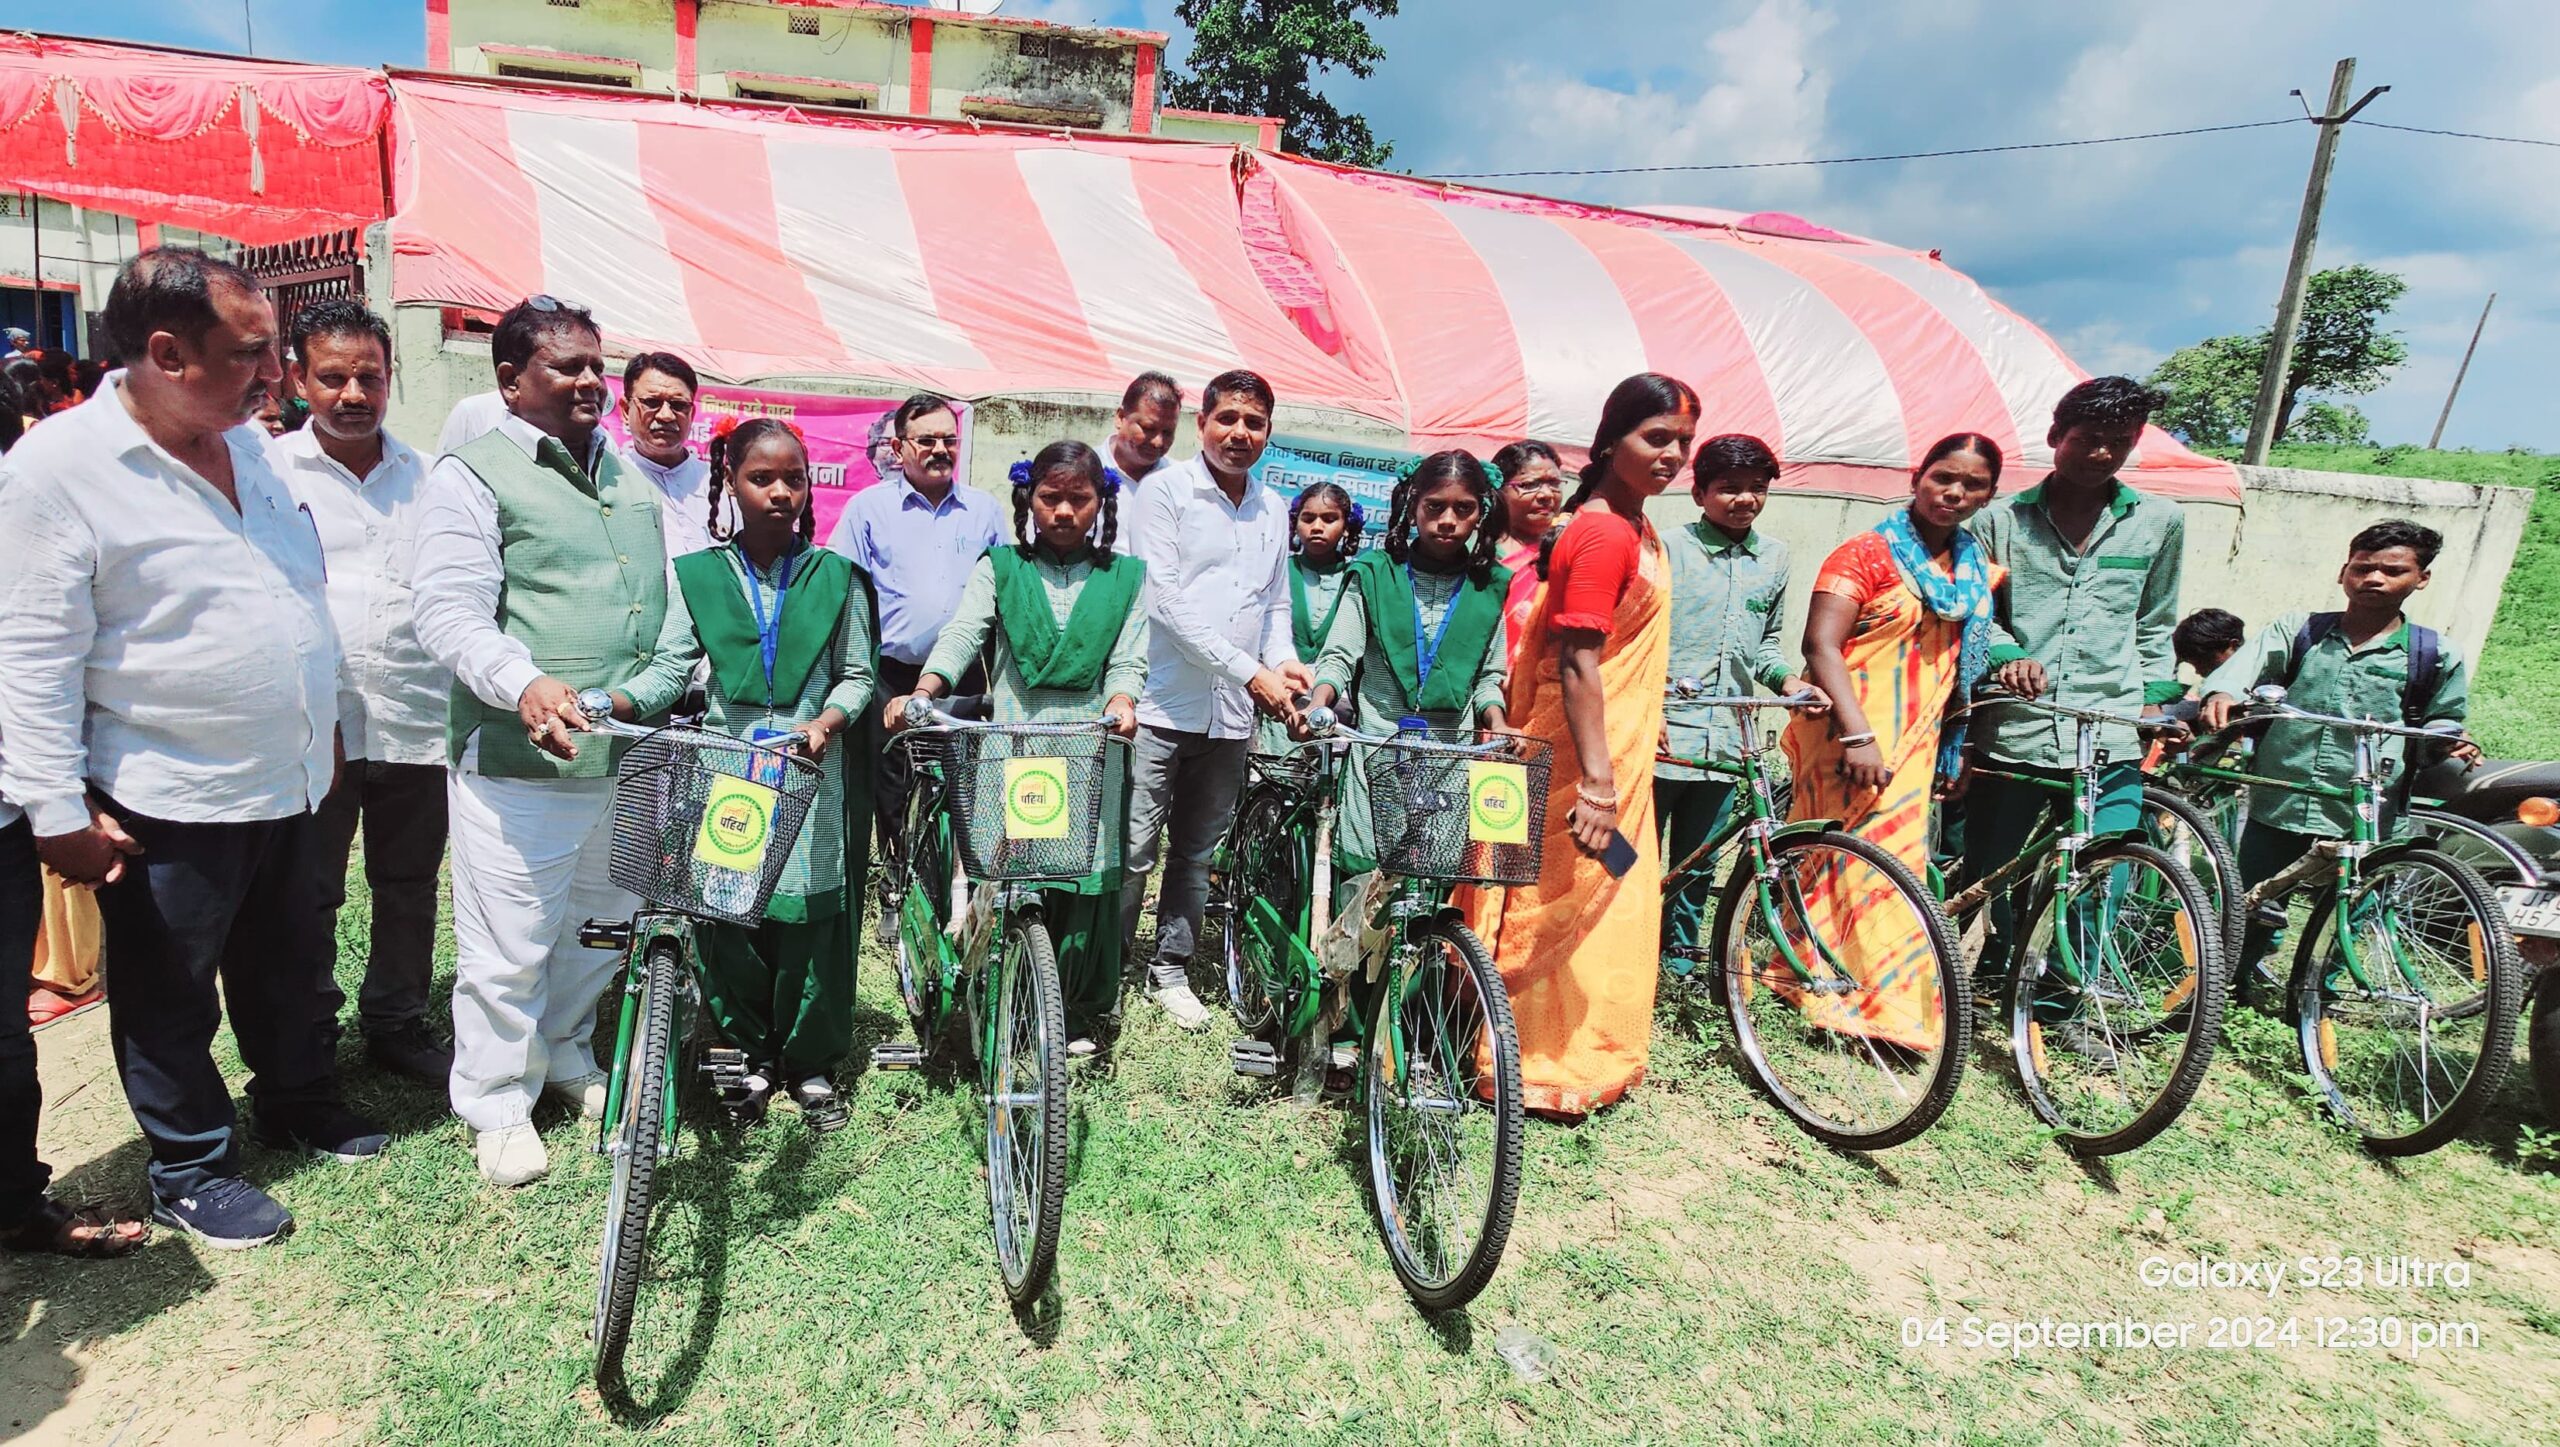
(236, 904)
(22, 1176)
(890, 776)
(402, 810)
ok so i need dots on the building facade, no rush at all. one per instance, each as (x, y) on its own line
(849, 55)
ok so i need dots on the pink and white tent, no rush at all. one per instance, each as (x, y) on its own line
(770, 244)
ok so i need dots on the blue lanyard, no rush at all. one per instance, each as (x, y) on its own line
(1426, 654)
(768, 630)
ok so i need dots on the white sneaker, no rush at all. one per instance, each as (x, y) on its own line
(586, 1093)
(513, 1156)
(1182, 1006)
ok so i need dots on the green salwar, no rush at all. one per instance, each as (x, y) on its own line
(784, 992)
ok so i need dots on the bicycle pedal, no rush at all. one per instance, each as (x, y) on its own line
(1254, 1057)
(727, 1068)
(897, 1055)
(605, 934)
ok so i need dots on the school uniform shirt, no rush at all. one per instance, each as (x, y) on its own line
(2097, 616)
(156, 641)
(2338, 679)
(974, 626)
(1377, 694)
(1217, 597)
(687, 515)
(1728, 603)
(918, 554)
(391, 708)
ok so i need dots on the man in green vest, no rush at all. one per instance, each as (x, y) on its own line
(541, 570)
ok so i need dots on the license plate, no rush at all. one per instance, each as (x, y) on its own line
(2533, 911)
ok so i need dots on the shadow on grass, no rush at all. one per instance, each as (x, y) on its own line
(708, 1183)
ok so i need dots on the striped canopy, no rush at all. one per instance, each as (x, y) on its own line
(766, 245)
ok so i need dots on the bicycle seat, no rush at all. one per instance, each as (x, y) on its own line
(2491, 792)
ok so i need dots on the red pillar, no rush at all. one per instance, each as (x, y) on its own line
(920, 67)
(439, 34)
(688, 17)
(1142, 97)
(146, 235)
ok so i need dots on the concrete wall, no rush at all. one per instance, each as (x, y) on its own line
(641, 30)
(1194, 126)
(2281, 550)
(850, 45)
(1074, 76)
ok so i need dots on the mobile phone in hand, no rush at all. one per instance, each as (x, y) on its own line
(1619, 857)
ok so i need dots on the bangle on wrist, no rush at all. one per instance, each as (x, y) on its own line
(1583, 792)
(1854, 740)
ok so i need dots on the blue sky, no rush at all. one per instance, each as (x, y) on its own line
(2122, 252)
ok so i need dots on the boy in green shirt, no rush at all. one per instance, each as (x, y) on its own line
(2086, 615)
(2360, 663)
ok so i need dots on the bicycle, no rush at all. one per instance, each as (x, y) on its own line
(997, 811)
(2115, 992)
(1813, 923)
(703, 824)
(2407, 985)
(1439, 1072)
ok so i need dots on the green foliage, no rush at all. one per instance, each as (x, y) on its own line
(2340, 349)
(1262, 57)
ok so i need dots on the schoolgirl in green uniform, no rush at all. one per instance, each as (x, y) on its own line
(1324, 535)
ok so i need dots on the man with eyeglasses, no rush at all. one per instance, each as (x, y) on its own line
(917, 535)
(659, 390)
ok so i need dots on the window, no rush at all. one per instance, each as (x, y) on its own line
(843, 100)
(1035, 47)
(799, 24)
(562, 4)
(516, 71)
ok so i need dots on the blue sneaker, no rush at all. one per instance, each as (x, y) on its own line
(332, 1132)
(227, 1215)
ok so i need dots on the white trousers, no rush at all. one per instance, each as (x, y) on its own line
(529, 865)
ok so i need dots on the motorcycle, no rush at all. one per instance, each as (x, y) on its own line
(2503, 819)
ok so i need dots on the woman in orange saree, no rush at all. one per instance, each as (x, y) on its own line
(1886, 639)
(1580, 949)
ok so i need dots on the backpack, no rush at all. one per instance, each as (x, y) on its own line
(2426, 663)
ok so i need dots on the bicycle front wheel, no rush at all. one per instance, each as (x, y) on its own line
(1026, 1075)
(1259, 875)
(636, 1138)
(915, 880)
(1441, 1072)
(2116, 1007)
(2190, 834)
(2405, 999)
(1839, 976)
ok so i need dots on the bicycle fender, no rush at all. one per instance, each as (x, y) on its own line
(2118, 836)
(1803, 828)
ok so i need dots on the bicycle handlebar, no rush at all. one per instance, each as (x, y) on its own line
(2139, 723)
(922, 715)
(1690, 690)
(2268, 701)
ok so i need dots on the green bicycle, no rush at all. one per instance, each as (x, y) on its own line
(2115, 992)
(997, 811)
(1813, 930)
(2407, 985)
(702, 826)
(1439, 1071)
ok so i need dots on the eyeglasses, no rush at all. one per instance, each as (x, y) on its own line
(1544, 484)
(545, 302)
(934, 441)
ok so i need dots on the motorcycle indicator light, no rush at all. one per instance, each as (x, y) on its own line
(2539, 812)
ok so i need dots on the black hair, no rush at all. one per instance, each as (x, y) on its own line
(1084, 462)
(1455, 465)
(1735, 452)
(728, 452)
(12, 411)
(167, 289)
(2102, 400)
(89, 372)
(1154, 386)
(1631, 404)
(1353, 524)
(1512, 460)
(1955, 442)
(2425, 541)
(24, 374)
(2205, 632)
(1239, 383)
(667, 362)
(523, 327)
(336, 316)
(917, 406)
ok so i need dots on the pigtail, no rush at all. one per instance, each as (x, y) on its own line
(1398, 541)
(1022, 477)
(1110, 516)
(719, 486)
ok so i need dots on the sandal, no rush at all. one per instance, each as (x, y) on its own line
(820, 1107)
(55, 1229)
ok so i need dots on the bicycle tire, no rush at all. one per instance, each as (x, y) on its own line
(633, 1197)
(2542, 1044)
(1026, 986)
(1444, 1286)
(919, 993)
(2196, 1023)
(1254, 874)
(2496, 967)
(2195, 838)
(1734, 985)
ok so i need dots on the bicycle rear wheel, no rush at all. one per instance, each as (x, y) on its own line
(1260, 987)
(2116, 1005)
(1864, 1046)
(635, 1162)
(924, 870)
(1026, 1081)
(1441, 1073)
(2411, 1053)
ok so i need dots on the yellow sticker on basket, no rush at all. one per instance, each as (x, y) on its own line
(737, 824)
(1035, 798)
(1497, 802)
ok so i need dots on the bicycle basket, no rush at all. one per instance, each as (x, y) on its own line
(1033, 802)
(1443, 807)
(704, 823)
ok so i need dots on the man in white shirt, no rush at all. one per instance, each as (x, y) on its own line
(472, 417)
(658, 393)
(171, 707)
(1142, 430)
(360, 486)
(1218, 647)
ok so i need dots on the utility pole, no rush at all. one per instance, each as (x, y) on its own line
(2436, 437)
(2306, 234)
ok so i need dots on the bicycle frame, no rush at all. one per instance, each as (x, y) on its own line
(647, 929)
(1757, 824)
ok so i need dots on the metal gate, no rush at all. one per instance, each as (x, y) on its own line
(298, 273)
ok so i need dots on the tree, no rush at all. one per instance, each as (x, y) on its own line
(1260, 57)
(2341, 350)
